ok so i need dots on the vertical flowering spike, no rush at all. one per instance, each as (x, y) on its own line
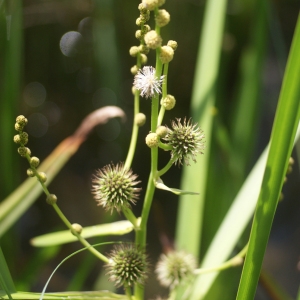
(114, 187)
(127, 265)
(174, 267)
(147, 83)
(187, 140)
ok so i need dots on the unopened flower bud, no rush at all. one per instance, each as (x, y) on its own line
(162, 18)
(23, 138)
(30, 172)
(140, 119)
(42, 177)
(134, 70)
(152, 39)
(21, 120)
(172, 44)
(19, 127)
(144, 59)
(17, 139)
(146, 28)
(23, 151)
(145, 16)
(139, 22)
(168, 102)
(76, 228)
(150, 4)
(142, 8)
(152, 140)
(134, 50)
(144, 49)
(133, 90)
(139, 35)
(34, 162)
(51, 199)
(161, 2)
(161, 131)
(166, 54)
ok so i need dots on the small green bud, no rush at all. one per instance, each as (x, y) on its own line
(161, 131)
(134, 70)
(23, 138)
(19, 127)
(140, 119)
(17, 139)
(144, 49)
(23, 151)
(152, 39)
(150, 4)
(133, 90)
(139, 35)
(134, 50)
(146, 28)
(172, 44)
(42, 177)
(77, 228)
(142, 7)
(30, 172)
(139, 22)
(34, 162)
(166, 54)
(168, 102)
(162, 18)
(21, 120)
(143, 59)
(152, 140)
(51, 199)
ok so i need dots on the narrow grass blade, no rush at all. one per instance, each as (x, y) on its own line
(65, 236)
(6, 282)
(282, 137)
(189, 225)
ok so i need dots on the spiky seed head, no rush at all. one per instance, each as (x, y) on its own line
(147, 83)
(166, 54)
(162, 18)
(127, 265)
(114, 187)
(152, 39)
(175, 267)
(187, 140)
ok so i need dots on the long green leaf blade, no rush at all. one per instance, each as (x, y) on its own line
(283, 132)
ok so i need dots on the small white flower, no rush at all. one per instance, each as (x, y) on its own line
(147, 83)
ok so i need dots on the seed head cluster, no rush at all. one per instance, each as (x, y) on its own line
(127, 265)
(187, 140)
(114, 187)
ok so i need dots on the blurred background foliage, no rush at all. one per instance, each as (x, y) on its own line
(60, 60)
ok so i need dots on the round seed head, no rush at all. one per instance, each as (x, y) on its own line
(187, 140)
(172, 44)
(166, 54)
(128, 265)
(140, 119)
(114, 187)
(168, 102)
(162, 18)
(152, 140)
(152, 39)
(175, 267)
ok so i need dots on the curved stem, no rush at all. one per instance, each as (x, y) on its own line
(83, 241)
(165, 168)
(130, 216)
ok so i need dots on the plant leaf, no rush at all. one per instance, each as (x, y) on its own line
(160, 185)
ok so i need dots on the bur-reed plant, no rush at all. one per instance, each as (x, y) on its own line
(117, 188)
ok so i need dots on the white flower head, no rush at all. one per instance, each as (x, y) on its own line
(147, 83)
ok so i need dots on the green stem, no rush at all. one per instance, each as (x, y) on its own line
(128, 293)
(235, 261)
(165, 168)
(164, 93)
(79, 237)
(134, 135)
(164, 146)
(130, 216)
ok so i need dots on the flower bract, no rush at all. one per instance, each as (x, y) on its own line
(147, 83)
(114, 187)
